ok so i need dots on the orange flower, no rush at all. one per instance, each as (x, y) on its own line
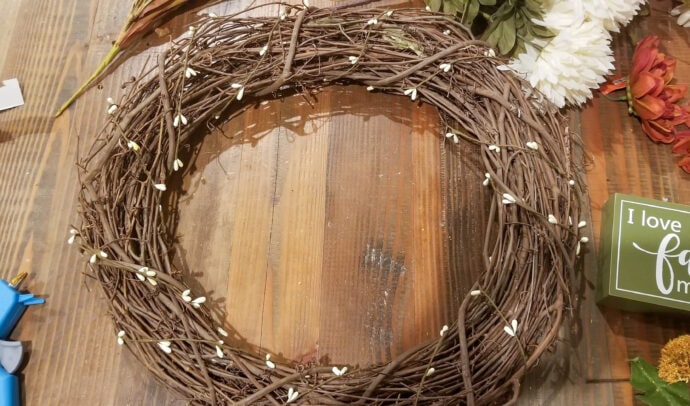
(682, 146)
(651, 96)
(674, 364)
(653, 99)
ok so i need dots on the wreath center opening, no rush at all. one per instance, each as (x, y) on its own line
(335, 229)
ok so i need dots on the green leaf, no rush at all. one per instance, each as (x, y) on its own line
(503, 36)
(451, 7)
(506, 10)
(487, 2)
(656, 391)
(434, 5)
(470, 12)
(401, 40)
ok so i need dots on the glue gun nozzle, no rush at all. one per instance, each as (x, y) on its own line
(18, 279)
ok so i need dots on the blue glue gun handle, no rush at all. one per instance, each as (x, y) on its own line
(9, 389)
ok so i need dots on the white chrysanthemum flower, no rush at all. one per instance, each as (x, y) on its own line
(612, 14)
(683, 13)
(566, 67)
(559, 15)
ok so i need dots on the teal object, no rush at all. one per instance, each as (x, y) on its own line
(9, 389)
(12, 306)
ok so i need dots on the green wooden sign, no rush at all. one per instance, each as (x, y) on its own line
(644, 255)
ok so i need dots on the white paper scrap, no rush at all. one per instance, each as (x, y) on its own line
(10, 94)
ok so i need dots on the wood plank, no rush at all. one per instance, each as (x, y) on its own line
(344, 223)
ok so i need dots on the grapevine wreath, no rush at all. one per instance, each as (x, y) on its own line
(508, 319)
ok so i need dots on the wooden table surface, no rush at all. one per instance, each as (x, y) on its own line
(329, 228)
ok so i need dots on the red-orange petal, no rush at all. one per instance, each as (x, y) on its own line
(685, 163)
(614, 84)
(673, 93)
(645, 54)
(645, 84)
(649, 107)
(657, 132)
(682, 144)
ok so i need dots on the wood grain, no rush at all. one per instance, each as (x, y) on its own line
(337, 229)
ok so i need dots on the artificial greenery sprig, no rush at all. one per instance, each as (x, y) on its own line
(505, 24)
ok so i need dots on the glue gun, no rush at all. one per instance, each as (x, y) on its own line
(12, 306)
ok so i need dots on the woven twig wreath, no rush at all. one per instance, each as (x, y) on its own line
(508, 319)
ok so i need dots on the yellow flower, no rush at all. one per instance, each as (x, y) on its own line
(674, 364)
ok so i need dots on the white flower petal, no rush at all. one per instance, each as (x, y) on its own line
(263, 50)
(581, 224)
(553, 219)
(509, 331)
(584, 240)
(532, 145)
(475, 292)
(179, 119)
(292, 395)
(133, 145)
(152, 281)
(165, 346)
(161, 187)
(339, 371)
(507, 197)
(444, 330)
(222, 332)
(189, 72)
(430, 371)
(112, 109)
(270, 364)
(185, 295)
(219, 352)
(372, 21)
